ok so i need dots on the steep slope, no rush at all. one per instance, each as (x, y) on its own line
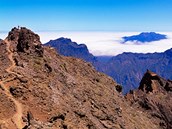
(154, 96)
(145, 37)
(66, 47)
(41, 89)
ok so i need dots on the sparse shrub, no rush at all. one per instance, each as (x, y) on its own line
(119, 88)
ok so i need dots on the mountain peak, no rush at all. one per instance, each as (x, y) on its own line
(146, 33)
(67, 47)
(24, 40)
(64, 40)
(168, 52)
(145, 37)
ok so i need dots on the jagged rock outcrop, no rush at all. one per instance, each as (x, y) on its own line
(26, 41)
(52, 91)
(151, 82)
(154, 96)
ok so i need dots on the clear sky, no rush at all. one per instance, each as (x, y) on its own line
(115, 15)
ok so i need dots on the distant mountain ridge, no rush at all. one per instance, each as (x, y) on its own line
(66, 47)
(145, 37)
(127, 68)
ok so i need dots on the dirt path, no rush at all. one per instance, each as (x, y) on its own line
(17, 118)
(10, 56)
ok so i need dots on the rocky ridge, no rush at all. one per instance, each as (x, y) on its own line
(66, 47)
(39, 89)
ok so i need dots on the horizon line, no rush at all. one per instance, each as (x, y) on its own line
(6, 31)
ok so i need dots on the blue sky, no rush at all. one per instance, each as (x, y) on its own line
(105, 15)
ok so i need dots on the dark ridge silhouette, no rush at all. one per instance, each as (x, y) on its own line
(66, 47)
(145, 37)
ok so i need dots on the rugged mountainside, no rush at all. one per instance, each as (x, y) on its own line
(154, 96)
(145, 37)
(39, 89)
(127, 68)
(66, 47)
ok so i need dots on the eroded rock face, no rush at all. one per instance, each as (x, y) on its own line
(151, 82)
(26, 41)
(155, 97)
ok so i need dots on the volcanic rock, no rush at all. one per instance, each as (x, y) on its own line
(50, 91)
(26, 41)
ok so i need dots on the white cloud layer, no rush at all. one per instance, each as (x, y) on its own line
(108, 43)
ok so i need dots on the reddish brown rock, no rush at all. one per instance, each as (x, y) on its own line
(154, 96)
(25, 41)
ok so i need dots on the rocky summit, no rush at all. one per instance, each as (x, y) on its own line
(39, 89)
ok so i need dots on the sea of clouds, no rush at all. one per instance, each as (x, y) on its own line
(107, 43)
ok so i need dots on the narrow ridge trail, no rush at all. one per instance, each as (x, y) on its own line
(17, 118)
